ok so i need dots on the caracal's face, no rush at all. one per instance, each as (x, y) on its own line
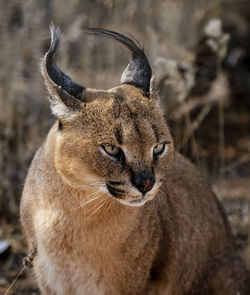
(117, 145)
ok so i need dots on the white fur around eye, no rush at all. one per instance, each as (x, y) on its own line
(160, 149)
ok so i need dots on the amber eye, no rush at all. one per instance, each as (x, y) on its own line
(159, 149)
(111, 150)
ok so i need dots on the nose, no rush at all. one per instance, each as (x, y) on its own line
(143, 181)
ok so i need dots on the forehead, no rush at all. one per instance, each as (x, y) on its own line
(137, 124)
(124, 115)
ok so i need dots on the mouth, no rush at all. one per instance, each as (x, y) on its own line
(114, 191)
(119, 193)
(122, 197)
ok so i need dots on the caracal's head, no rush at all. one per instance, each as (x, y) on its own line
(115, 142)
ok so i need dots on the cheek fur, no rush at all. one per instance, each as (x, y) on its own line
(70, 163)
(79, 163)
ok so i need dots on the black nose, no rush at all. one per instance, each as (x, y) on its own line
(143, 181)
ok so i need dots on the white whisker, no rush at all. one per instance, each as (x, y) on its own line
(111, 203)
(96, 210)
(82, 204)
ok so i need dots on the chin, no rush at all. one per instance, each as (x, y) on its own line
(135, 203)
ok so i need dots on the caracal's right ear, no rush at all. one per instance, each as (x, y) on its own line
(66, 96)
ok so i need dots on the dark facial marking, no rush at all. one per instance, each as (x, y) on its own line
(60, 125)
(119, 96)
(134, 117)
(121, 157)
(156, 133)
(137, 130)
(116, 183)
(117, 107)
(118, 135)
(118, 193)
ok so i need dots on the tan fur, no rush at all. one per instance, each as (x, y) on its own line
(89, 242)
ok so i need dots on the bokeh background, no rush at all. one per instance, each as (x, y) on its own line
(200, 53)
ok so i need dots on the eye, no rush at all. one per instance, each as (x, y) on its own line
(111, 150)
(159, 149)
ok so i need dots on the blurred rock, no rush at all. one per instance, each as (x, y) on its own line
(175, 81)
(211, 50)
(216, 38)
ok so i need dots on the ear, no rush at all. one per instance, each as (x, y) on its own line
(138, 72)
(66, 96)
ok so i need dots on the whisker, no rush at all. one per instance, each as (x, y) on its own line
(89, 196)
(96, 210)
(94, 206)
(93, 182)
(102, 202)
(82, 204)
(112, 202)
(93, 194)
(97, 204)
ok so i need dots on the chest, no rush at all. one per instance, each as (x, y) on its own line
(101, 259)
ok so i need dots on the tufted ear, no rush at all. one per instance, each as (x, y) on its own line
(66, 96)
(138, 72)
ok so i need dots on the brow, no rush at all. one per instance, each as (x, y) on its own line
(118, 135)
(156, 133)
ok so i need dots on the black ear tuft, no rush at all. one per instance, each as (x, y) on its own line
(138, 72)
(55, 74)
(58, 84)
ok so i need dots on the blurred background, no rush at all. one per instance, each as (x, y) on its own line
(200, 53)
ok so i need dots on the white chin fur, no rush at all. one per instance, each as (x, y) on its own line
(137, 203)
